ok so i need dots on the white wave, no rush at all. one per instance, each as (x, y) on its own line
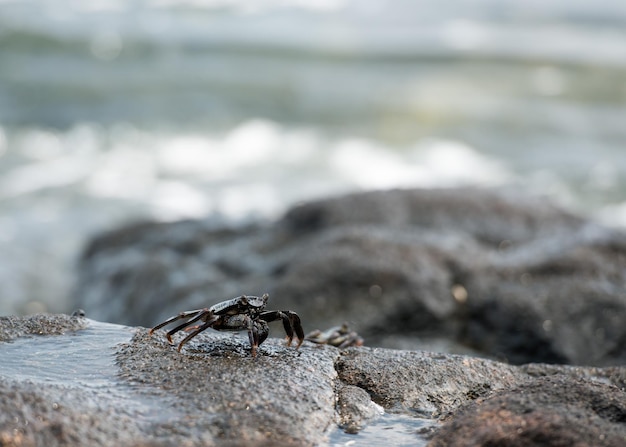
(68, 185)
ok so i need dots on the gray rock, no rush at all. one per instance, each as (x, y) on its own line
(510, 277)
(425, 384)
(281, 397)
(40, 324)
(559, 299)
(108, 385)
(35, 414)
(99, 392)
(548, 411)
(355, 408)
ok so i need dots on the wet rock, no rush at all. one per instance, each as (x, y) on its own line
(504, 275)
(39, 324)
(33, 414)
(215, 387)
(547, 411)
(213, 393)
(355, 408)
(424, 384)
(107, 384)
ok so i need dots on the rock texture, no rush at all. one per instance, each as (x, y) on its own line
(422, 383)
(15, 327)
(281, 397)
(143, 392)
(211, 394)
(510, 277)
(548, 411)
(355, 408)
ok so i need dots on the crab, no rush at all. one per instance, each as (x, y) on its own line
(238, 314)
(338, 336)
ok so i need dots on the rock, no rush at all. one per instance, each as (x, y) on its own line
(48, 415)
(559, 300)
(40, 324)
(425, 384)
(548, 411)
(281, 397)
(144, 392)
(487, 216)
(355, 408)
(108, 384)
(507, 276)
(613, 375)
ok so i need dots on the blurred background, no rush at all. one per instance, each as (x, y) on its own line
(118, 110)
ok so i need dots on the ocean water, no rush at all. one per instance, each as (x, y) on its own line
(112, 111)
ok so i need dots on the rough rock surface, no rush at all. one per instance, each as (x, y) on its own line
(142, 392)
(282, 397)
(412, 381)
(510, 277)
(355, 408)
(550, 411)
(213, 393)
(14, 327)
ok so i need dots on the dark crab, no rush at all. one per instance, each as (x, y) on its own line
(239, 314)
(338, 336)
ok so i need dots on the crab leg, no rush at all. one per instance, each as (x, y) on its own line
(241, 313)
(180, 316)
(253, 336)
(294, 319)
(291, 323)
(201, 328)
(202, 314)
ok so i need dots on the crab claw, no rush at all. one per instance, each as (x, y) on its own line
(293, 324)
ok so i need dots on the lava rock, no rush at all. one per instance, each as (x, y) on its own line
(142, 392)
(39, 324)
(283, 396)
(421, 383)
(213, 393)
(355, 408)
(547, 411)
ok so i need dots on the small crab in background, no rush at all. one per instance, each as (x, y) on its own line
(239, 314)
(338, 336)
